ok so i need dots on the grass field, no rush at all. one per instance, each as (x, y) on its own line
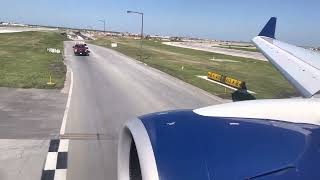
(260, 76)
(25, 63)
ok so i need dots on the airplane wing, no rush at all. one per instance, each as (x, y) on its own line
(260, 139)
(301, 67)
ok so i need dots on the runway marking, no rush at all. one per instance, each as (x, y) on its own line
(64, 145)
(66, 111)
(224, 85)
(57, 160)
(224, 60)
(83, 136)
(60, 174)
(51, 161)
(54, 145)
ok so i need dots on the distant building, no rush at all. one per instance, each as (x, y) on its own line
(175, 39)
(4, 23)
(158, 37)
(315, 49)
(12, 24)
(18, 24)
(153, 37)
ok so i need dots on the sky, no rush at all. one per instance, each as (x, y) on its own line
(240, 20)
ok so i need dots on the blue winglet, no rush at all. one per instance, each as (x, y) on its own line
(270, 28)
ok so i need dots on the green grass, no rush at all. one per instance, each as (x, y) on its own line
(260, 76)
(25, 63)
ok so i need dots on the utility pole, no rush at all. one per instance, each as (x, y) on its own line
(104, 25)
(140, 13)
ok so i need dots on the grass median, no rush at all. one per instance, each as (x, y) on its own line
(25, 62)
(186, 64)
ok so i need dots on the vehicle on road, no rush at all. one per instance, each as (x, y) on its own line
(81, 49)
(258, 139)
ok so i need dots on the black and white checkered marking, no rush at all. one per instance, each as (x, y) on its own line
(57, 160)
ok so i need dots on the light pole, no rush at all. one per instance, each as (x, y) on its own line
(134, 12)
(104, 25)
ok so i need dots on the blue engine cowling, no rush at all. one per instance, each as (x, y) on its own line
(184, 145)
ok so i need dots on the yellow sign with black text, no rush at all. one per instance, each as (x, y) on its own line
(233, 82)
(214, 76)
(226, 80)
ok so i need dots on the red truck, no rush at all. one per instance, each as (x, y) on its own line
(81, 49)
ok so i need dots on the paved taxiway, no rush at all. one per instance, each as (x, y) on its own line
(108, 89)
(210, 48)
(29, 118)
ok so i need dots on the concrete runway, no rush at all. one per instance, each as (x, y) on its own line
(109, 89)
(29, 118)
(209, 48)
(8, 29)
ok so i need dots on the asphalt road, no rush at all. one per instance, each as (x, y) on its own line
(109, 89)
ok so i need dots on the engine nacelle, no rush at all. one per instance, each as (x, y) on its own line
(186, 145)
(135, 153)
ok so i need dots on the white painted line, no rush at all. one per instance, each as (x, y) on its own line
(224, 85)
(66, 111)
(51, 161)
(224, 60)
(64, 145)
(60, 174)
